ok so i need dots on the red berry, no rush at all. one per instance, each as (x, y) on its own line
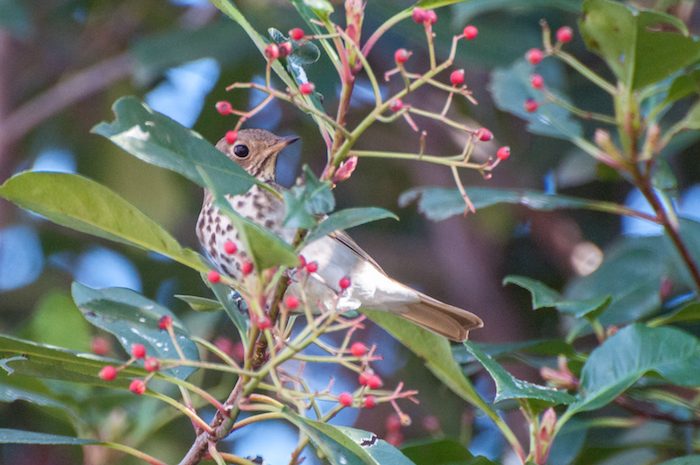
(137, 386)
(302, 261)
(457, 77)
(531, 105)
(165, 322)
(534, 56)
(370, 402)
(297, 33)
(364, 377)
(565, 34)
(401, 56)
(537, 81)
(225, 345)
(396, 105)
(230, 247)
(213, 276)
(470, 32)
(419, 15)
(138, 350)
(307, 88)
(272, 52)
(247, 268)
(108, 373)
(393, 423)
(430, 17)
(151, 364)
(263, 323)
(100, 345)
(503, 153)
(312, 267)
(374, 382)
(291, 302)
(344, 283)
(484, 135)
(231, 137)
(345, 399)
(285, 49)
(358, 349)
(224, 108)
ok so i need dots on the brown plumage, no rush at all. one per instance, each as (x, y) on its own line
(337, 254)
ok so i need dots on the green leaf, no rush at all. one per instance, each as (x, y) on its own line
(132, 318)
(200, 304)
(37, 360)
(266, 249)
(348, 218)
(632, 353)
(637, 44)
(86, 206)
(432, 4)
(15, 436)
(683, 86)
(348, 446)
(322, 8)
(544, 296)
(156, 139)
(439, 203)
(542, 347)
(304, 53)
(57, 321)
(442, 452)
(9, 393)
(691, 119)
(510, 88)
(508, 387)
(432, 348)
(688, 460)
(306, 202)
(687, 313)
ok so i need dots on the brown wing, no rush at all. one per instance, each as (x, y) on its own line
(343, 238)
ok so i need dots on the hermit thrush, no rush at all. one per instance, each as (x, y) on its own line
(337, 255)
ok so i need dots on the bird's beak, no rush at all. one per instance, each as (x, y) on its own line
(282, 142)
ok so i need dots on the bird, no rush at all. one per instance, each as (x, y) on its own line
(337, 256)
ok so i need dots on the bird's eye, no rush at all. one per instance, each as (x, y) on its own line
(241, 151)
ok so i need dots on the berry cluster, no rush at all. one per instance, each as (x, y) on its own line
(138, 352)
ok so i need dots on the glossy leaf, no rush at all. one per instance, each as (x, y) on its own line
(348, 446)
(303, 53)
(687, 313)
(232, 302)
(508, 387)
(84, 205)
(9, 393)
(306, 202)
(132, 318)
(439, 203)
(322, 8)
(637, 44)
(15, 436)
(200, 304)
(37, 360)
(432, 348)
(510, 88)
(349, 218)
(544, 296)
(687, 460)
(537, 347)
(161, 141)
(442, 452)
(632, 353)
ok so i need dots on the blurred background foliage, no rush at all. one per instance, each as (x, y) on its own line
(64, 62)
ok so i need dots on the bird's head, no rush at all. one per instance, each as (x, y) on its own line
(256, 151)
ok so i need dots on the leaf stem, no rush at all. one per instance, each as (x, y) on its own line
(584, 70)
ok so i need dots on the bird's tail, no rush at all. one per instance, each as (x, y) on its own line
(452, 322)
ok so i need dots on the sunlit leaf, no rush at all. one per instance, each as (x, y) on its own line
(687, 313)
(84, 205)
(637, 44)
(632, 353)
(132, 318)
(510, 388)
